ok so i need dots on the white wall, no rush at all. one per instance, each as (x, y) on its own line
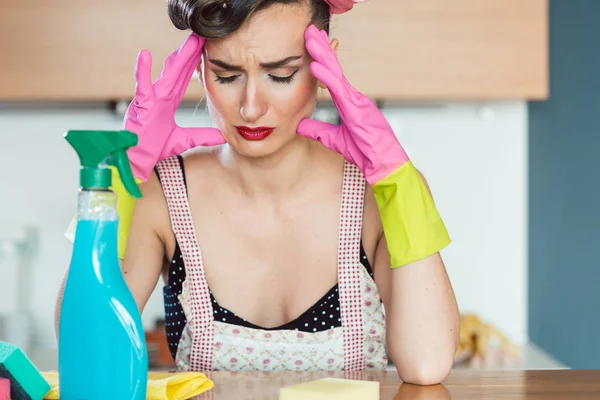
(474, 158)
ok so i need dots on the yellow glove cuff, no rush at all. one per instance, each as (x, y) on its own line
(411, 222)
(125, 207)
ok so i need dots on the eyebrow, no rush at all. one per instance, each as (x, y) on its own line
(267, 65)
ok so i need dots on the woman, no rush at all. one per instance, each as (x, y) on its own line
(281, 238)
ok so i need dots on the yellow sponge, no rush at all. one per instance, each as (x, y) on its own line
(331, 389)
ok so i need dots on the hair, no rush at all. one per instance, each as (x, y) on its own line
(214, 19)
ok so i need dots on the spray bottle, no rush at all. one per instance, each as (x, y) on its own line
(102, 348)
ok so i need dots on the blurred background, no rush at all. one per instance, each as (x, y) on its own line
(496, 102)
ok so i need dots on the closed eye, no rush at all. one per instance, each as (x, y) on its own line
(226, 79)
(283, 79)
(275, 78)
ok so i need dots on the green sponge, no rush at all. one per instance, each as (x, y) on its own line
(26, 382)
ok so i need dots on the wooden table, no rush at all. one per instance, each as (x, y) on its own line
(480, 385)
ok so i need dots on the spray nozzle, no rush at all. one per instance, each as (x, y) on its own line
(99, 149)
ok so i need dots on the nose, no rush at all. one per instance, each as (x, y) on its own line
(254, 105)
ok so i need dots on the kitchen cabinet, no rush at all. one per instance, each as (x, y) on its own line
(403, 50)
(447, 50)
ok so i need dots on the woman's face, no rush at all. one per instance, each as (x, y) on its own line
(258, 82)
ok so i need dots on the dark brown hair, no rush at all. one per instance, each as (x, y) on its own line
(214, 19)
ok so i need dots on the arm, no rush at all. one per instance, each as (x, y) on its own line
(145, 250)
(58, 304)
(422, 318)
(144, 247)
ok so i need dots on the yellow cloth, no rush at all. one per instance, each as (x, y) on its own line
(161, 385)
(484, 344)
(125, 206)
(411, 222)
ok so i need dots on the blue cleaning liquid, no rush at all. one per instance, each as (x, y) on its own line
(102, 349)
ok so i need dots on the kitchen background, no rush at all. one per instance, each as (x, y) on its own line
(505, 130)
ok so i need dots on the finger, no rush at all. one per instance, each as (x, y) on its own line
(324, 35)
(323, 132)
(191, 59)
(190, 67)
(189, 53)
(310, 31)
(324, 75)
(315, 44)
(337, 87)
(321, 52)
(179, 88)
(183, 139)
(143, 78)
(176, 61)
(205, 137)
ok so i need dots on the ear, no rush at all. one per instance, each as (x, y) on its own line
(334, 46)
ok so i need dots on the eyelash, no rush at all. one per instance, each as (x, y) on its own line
(227, 79)
(278, 79)
(284, 79)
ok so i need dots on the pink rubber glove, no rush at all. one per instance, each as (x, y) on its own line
(151, 114)
(412, 225)
(364, 137)
(341, 6)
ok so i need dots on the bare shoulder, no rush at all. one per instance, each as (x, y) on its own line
(202, 164)
(152, 206)
(151, 194)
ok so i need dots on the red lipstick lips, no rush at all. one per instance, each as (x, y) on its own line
(258, 133)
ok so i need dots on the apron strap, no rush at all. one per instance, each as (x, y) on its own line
(201, 321)
(349, 267)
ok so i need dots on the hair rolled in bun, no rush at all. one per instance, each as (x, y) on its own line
(214, 19)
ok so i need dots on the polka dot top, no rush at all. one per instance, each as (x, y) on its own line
(323, 315)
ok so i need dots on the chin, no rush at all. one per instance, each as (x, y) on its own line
(264, 147)
(259, 148)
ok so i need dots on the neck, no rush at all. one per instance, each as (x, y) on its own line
(278, 175)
